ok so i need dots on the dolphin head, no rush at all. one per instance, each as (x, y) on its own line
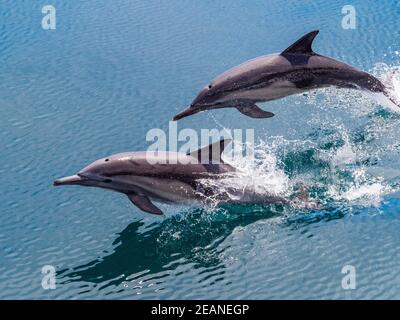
(100, 173)
(209, 97)
(205, 97)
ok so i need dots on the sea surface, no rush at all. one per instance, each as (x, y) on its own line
(113, 70)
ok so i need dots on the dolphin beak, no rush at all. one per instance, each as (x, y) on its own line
(75, 179)
(187, 112)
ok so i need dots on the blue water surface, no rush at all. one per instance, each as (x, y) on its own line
(111, 71)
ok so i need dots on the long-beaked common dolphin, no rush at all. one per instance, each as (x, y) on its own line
(295, 70)
(167, 177)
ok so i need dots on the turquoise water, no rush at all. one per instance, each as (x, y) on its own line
(111, 71)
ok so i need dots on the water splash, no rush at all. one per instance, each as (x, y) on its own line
(259, 176)
(333, 162)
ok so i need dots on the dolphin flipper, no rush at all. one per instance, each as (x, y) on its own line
(144, 203)
(254, 111)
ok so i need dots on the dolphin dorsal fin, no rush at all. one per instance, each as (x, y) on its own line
(211, 153)
(303, 45)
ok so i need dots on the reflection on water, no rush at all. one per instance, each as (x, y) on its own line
(193, 239)
(148, 252)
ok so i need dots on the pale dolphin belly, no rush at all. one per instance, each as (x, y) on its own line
(271, 91)
(160, 189)
(276, 90)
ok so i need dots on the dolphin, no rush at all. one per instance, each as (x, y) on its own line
(297, 69)
(166, 177)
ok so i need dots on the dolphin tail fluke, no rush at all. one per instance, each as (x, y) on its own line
(254, 111)
(392, 99)
(185, 113)
(376, 86)
(389, 93)
(144, 203)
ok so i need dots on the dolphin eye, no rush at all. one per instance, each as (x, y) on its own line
(106, 160)
(209, 86)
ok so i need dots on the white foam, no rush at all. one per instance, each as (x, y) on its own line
(343, 115)
(345, 154)
(255, 177)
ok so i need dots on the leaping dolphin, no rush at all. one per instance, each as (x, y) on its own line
(295, 70)
(167, 177)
